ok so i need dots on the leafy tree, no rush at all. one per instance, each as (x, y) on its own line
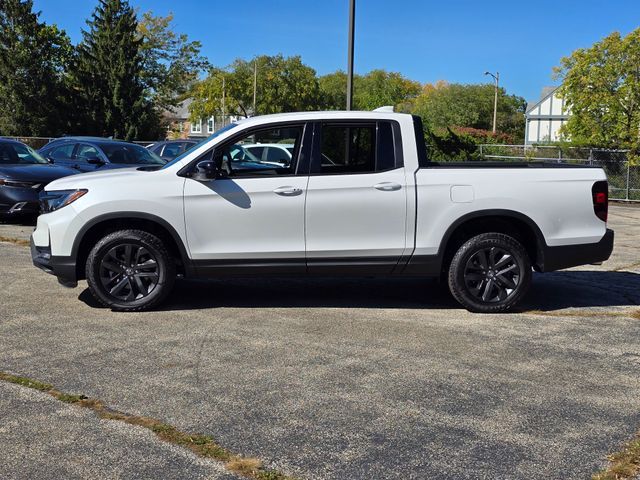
(379, 88)
(33, 58)
(170, 62)
(375, 89)
(444, 105)
(283, 85)
(601, 87)
(108, 76)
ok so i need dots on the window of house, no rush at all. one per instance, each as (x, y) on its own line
(196, 127)
(210, 125)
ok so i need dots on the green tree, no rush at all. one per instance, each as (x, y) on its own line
(444, 106)
(108, 76)
(33, 59)
(170, 62)
(601, 87)
(283, 85)
(377, 88)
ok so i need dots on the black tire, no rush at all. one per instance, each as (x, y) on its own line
(130, 271)
(485, 286)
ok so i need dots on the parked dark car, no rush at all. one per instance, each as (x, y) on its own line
(170, 149)
(88, 154)
(23, 174)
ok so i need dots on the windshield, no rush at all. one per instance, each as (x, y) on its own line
(215, 134)
(130, 154)
(17, 153)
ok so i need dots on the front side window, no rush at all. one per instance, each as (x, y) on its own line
(172, 150)
(64, 152)
(86, 152)
(236, 159)
(278, 155)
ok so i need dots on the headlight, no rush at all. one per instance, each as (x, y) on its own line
(55, 200)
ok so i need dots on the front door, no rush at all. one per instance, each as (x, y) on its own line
(251, 218)
(356, 199)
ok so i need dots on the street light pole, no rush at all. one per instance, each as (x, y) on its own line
(352, 29)
(496, 79)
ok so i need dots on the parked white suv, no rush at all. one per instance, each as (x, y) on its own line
(359, 197)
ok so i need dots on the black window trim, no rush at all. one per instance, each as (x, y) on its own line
(301, 156)
(355, 122)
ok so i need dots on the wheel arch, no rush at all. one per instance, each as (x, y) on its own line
(509, 222)
(103, 224)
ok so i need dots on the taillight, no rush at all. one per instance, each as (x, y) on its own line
(600, 194)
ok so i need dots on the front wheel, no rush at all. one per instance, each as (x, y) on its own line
(490, 273)
(130, 270)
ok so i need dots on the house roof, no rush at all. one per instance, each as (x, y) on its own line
(546, 93)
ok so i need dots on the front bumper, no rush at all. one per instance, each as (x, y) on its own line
(566, 256)
(18, 201)
(62, 267)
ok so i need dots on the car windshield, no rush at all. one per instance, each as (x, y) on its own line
(130, 154)
(17, 153)
(215, 134)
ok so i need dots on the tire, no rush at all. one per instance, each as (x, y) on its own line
(130, 271)
(490, 273)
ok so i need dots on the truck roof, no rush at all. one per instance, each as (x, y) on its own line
(322, 115)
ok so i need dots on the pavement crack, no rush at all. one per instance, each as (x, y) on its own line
(202, 445)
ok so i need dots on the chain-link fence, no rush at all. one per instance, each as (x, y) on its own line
(623, 175)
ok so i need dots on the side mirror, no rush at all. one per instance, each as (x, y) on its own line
(50, 159)
(94, 161)
(205, 171)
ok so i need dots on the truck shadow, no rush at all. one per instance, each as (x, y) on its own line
(549, 292)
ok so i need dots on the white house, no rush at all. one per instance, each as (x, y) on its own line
(179, 121)
(545, 117)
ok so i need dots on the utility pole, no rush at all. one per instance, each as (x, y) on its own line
(496, 79)
(352, 30)
(255, 85)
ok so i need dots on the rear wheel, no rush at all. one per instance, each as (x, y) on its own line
(130, 270)
(490, 273)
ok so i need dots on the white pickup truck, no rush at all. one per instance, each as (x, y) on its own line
(359, 197)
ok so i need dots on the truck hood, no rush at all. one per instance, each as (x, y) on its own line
(85, 180)
(35, 173)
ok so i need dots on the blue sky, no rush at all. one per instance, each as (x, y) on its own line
(425, 40)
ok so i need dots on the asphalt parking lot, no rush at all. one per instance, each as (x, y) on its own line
(327, 379)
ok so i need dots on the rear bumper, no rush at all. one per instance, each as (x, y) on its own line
(566, 256)
(62, 267)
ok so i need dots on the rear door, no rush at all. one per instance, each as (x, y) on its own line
(356, 199)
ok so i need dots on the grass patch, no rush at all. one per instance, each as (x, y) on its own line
(26, 382)
(636, 314)
(17, 241)
(623, 465)
(202, 445)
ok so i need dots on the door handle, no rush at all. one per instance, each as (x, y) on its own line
(388, 186)
(288, 191)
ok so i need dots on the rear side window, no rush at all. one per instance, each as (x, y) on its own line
(359, 148)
